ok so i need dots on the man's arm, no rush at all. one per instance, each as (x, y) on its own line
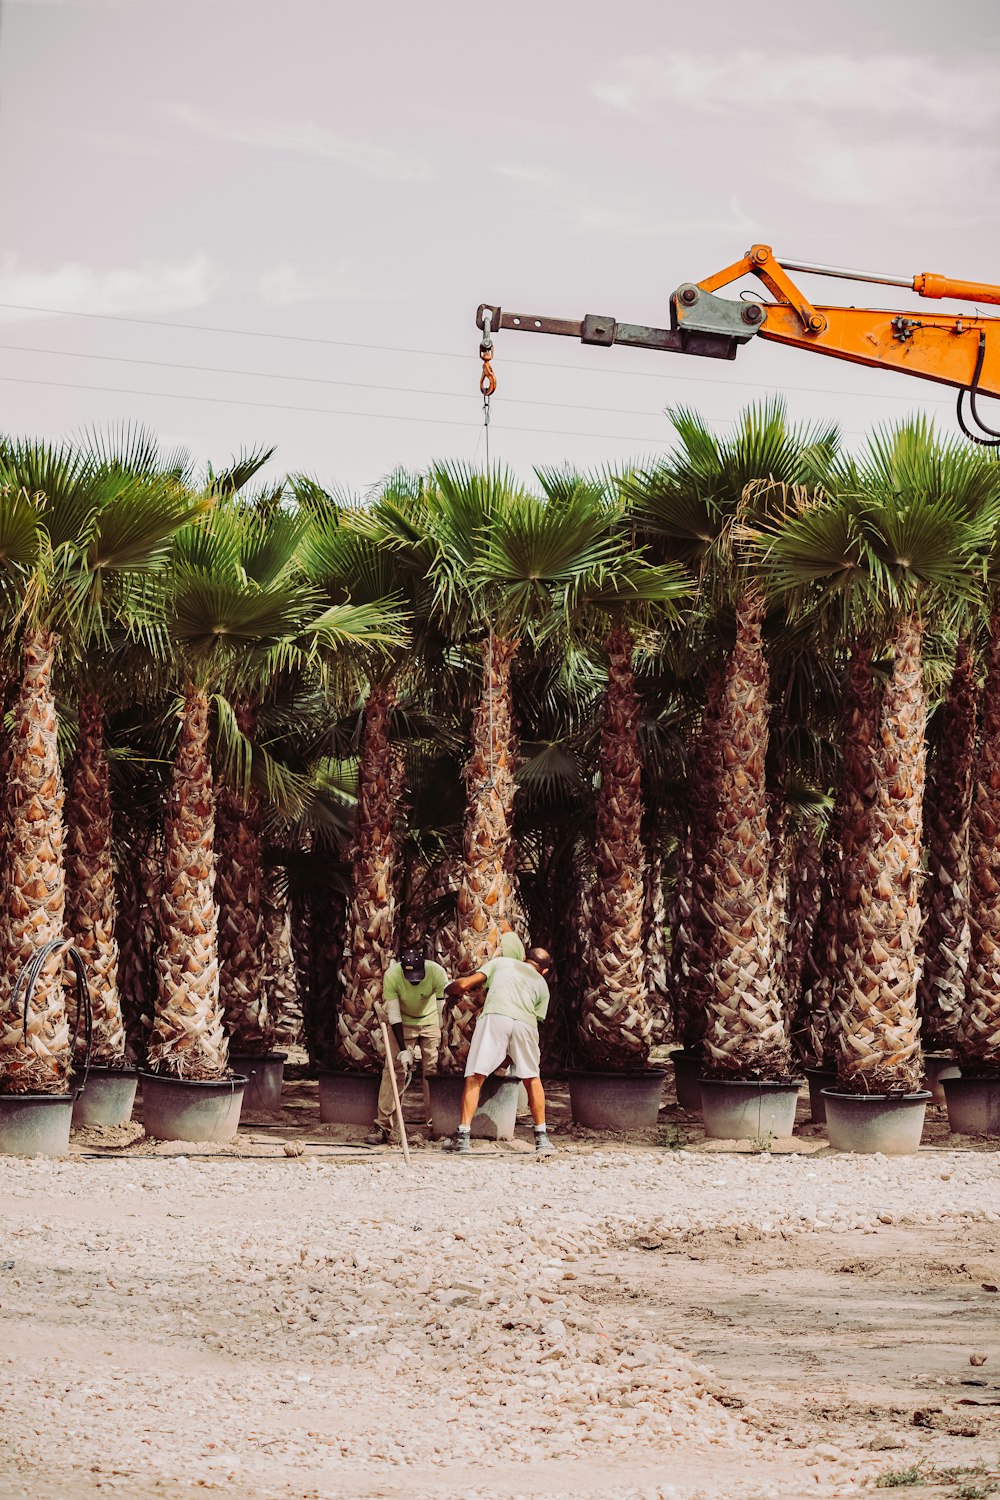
(465, 983)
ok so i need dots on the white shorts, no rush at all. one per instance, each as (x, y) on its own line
(499, 1037)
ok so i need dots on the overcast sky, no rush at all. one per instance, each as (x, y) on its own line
(344, 176)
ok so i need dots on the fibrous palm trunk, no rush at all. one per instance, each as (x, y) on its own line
(824, 987)
(188, 1039)
(615, 1022)
(877, 1028)
(977, 1041)
(745, 1036)
(691, 937)
(36, 892)
(91, 898)
(239, 866)
(138, 908)
(945, 936)
(484, 892)
(655, 944)
(371, 923)
(805, 892)
(280, 983)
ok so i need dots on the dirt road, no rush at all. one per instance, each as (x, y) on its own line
(635, 1325)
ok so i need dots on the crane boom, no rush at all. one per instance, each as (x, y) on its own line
(959, 350)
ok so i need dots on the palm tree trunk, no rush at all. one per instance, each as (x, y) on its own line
(657, 955)
(977, 1041)
(138, 905)
(745, 1035)
(615, 1022)
(91, 899)
(805, 894)
(280, 983)
(371, 923)
(36, 893)
(692, 937)
(239, 873)
(877, 1028)
(484, 893)
(188, 1039)
(945, 936)
(824, 988)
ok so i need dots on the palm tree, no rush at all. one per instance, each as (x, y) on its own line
(498, 552)
(83, 539)
(242, 614)
(948, 805)
(699, 506)
(895, 543)
(624, 594)
(374, 562)
(224, 626)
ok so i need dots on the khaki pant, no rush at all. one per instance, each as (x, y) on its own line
(428, 1037)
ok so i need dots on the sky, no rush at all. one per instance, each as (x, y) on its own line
(279, 218)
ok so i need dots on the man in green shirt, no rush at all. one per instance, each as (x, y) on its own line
(517, 998)
(413, 994)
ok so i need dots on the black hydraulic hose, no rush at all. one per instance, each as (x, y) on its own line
(993, 439)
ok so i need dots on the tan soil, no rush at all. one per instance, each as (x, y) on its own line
(620, 1321)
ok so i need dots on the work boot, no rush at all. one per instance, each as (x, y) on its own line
(543, 1146)
(461, 1142)
(378, 1137)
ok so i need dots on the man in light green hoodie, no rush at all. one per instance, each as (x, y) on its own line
(517, 998)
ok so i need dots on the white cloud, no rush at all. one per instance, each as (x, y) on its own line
(586, 210)
(285, 285)
(305, 139)
(150, 288)
(909, 86)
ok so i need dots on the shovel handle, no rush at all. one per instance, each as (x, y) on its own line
(395, 1094)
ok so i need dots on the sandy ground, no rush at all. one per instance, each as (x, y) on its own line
(654, 1322)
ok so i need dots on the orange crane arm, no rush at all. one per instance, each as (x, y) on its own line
(959, 350)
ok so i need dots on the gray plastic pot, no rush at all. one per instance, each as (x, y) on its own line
(616, 1101)
(865, 1123)
(686, 1070)
(264, 1074)
(734, 1110)
(35, 1124)
(183, 1109)
(348, 1098)
(819, 1079)
(937, 1067)
(973, 1105)
(107, 1097)
(496, 1116)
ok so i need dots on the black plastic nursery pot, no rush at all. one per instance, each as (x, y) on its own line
(185, 1109)
(748, 1110)
(106, 1097)
(35, 1124)
(819, 1079)
(687, 1068)
(348, 1098)
(264, 1074)
(937, 1067)
(890, 1124)
(973, 1105)
(616, 1101)
(495, 1117)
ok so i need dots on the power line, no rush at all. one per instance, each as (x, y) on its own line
(360, 385)
(531, 364)
(324, 411)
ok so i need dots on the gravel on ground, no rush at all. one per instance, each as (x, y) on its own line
(333, 1326)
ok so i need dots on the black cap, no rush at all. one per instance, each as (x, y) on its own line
(413, 961)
